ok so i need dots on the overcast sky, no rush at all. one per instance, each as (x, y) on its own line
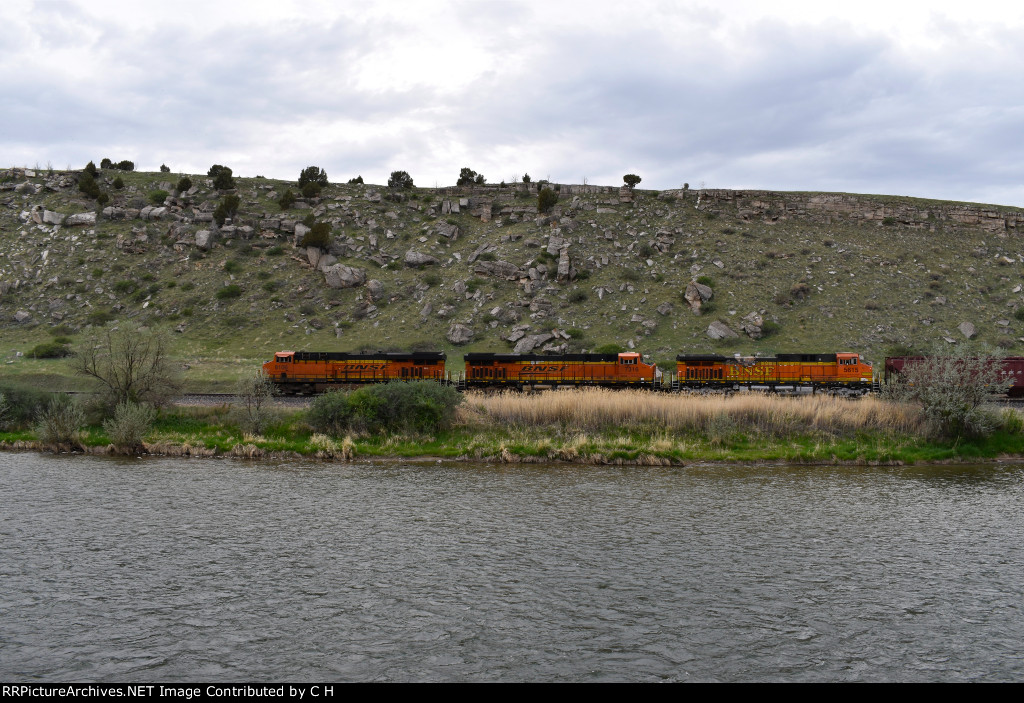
(882, 97)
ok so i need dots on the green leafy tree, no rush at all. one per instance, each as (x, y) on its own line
(631, 180)
(468, 177)
(222, 178)
(106, 163)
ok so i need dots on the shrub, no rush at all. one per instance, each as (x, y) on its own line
(102, 199)
(319, 235)
(706, 281)
(228, 207)
(232, 266)
(577, 296)
(100, 317)
(184, 183)
(769, 328)
(420, 406)
(126, 165)
(57, 424)
(286, 200)
(526, 178)
(610, 349)
(20, 407)
(953, 387)
(276, 250)
(118, 183)
(222, 178)
(228, 292)
(631, 180)
(358, 180)
(106, 163)
(164, 168)
(90, 168)
(129, 425)
(50, 350)
(311, 190)
(88, 186)
(157, 197)
(124, 287)
(432, 279)
(546, 199)
(252, 403)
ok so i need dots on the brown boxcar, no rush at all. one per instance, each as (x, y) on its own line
(529, 371)
(315, 372)
(1012, 367)
(843, 372)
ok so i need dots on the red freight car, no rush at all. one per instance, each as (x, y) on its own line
(1011, 367)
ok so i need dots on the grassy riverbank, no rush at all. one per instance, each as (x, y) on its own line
(587, 426)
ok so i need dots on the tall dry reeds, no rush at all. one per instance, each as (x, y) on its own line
(599, 410)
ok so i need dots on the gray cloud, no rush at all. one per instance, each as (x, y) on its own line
(683, 95)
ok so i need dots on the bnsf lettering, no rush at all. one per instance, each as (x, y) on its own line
(366, 367)
(542, 369)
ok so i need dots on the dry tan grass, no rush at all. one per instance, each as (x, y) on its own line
(591, 410)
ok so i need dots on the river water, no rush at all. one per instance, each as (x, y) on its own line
(177, 570)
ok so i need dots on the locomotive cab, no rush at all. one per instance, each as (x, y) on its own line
(280, 367)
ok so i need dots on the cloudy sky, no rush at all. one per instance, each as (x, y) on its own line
(922, 99)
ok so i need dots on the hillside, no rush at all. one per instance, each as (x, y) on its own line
(478, 269)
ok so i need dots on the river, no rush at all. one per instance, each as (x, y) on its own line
(176, 570)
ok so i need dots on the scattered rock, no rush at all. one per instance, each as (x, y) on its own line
(967, 329)
(416, 258)
(752, 325)
(459, 334)
(22, 316)
(204, 239)
(720, 330)
(375, 289)
(342, 276)
(80, 218)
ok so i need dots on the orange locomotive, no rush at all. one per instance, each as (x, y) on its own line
(531, 371)
(315, 372)
(845, 373)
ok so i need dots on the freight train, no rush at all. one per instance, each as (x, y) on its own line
(315, 372)
(1011, 367)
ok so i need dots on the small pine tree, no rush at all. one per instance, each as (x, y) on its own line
(222, 178)
(164, 168)
(90, 168)
(313, 174)
(358, 180)
(106, 163)
(631, 180)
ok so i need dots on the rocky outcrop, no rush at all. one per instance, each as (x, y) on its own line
(80, 218)
(498, 269)
(342, 276)
(375, 289)
(204, 239)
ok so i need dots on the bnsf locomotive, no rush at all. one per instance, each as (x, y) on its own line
(843, 373)
(536, 371)
(315, 372)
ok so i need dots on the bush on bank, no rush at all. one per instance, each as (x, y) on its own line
(420, 406)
